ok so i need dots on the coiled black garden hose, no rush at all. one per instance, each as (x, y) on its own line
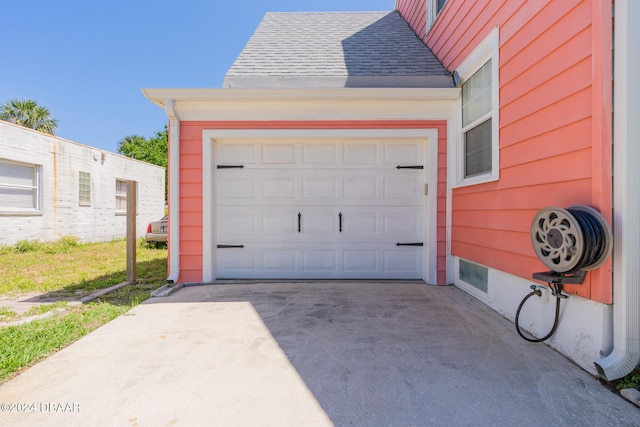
(536, 291)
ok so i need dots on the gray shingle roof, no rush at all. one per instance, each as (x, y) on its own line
(335, 49)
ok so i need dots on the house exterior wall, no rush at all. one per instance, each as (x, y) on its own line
(191, 180)
(554, 122)
(555, 149)
(61, 214)
(415, 13)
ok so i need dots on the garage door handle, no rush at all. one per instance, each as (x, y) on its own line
(299, 222)
(230, 166)
(340, 221)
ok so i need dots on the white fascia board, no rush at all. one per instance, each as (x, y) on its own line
(308, 104)
(158, 96)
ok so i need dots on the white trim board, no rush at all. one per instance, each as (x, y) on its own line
(209, 173)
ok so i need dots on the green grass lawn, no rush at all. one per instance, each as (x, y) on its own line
(68, 270)
(67, 266)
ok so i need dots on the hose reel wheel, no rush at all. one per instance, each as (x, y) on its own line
(572, 239)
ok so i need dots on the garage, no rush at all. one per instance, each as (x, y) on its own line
(314, 208)
(322, 156)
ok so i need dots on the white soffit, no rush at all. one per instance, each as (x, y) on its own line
(308, 104)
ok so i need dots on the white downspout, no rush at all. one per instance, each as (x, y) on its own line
(174, 191)
(626, 207)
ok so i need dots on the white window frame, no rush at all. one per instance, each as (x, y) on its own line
(37, 187)
(81, 201)
(486, 297)
(433, 12)
(121, 197)
(487, 50)
(479, 267)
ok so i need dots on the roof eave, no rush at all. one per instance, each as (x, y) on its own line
(307, 103)
(159, 95)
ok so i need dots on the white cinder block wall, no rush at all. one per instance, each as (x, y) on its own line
(61, 214)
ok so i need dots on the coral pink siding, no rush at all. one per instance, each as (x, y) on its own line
(555, 122)
(415, 13)
(190, 205)
(191, 261)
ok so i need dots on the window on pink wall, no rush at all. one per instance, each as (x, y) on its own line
(477, 152)
(433, 9)
(476, 122)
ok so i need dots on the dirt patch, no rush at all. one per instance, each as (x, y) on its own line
(20, 304)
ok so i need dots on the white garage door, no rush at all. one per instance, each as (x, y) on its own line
(320, 209)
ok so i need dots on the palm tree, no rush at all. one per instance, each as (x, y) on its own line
(27, 113)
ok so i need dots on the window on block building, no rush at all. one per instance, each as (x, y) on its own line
(20, 187)
(84, 189)
(121, 196)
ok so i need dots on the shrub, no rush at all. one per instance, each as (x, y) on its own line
(630, 381)
(23, 246)
(63, 245)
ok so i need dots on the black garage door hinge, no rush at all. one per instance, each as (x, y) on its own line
(410, 167)
(410, 244)
(230, 246)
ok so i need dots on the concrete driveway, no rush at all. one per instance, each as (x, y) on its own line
(311, 354)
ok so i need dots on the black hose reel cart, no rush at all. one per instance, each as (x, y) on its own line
(569, 242)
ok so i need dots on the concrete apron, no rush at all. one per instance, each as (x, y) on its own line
(312, 354)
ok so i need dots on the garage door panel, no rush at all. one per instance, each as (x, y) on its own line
(280, 153)
(361, 187)
(356, 224)
(243, 260)
(325, 187)
(402, 153)
(319, 209)
(238, 154)
(383, 224)
(361, 261)
(232, 187)
(402, 188)
(276, 226)
(278, 260)
(320, 154)
(231, 224)
(402, 260)
(328, 187)
(361, 154)
(279, 187)
(402, 225)
(316, 260)
(273, 224)
(304, 261)
(322, 224)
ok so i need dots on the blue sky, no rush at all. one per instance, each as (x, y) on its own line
(86, 60)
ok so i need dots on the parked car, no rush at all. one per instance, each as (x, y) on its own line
(157, 231)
